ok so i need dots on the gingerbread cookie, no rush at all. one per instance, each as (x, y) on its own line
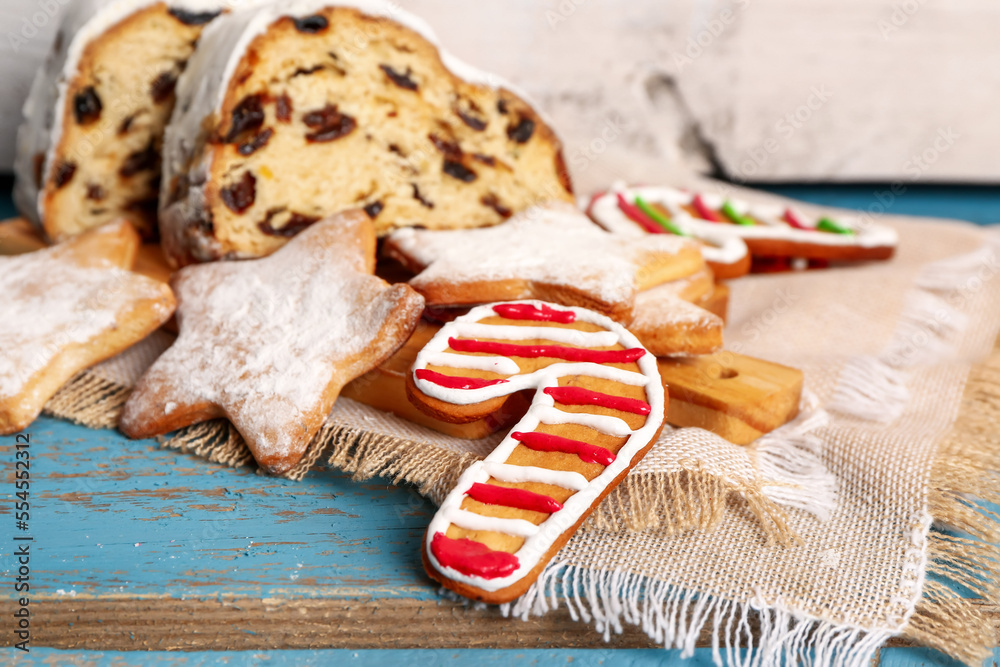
(385, 388)
(769, 231)
(66, 308)
(18, 236)
(667, 325)
(692, 289)
(269, 343)
(598, 406)
(699, 288)
(716, 301)
(551, 252)
(727, 255)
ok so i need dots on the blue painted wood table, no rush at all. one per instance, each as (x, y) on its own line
(133, 551)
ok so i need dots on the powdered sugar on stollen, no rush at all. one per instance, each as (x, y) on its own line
(264, 340)
(50, 303)
(81, 23)
(553, 244)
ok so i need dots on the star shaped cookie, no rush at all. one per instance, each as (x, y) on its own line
(668, 325)
(66, 308)
(551, 252)
(269, 343)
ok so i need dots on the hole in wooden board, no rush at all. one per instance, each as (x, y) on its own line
(719, 372)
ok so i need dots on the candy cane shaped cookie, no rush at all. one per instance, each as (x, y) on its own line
(598, 406)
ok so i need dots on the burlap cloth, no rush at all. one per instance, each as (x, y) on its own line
(830, 531)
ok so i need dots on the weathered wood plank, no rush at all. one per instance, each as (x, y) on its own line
(136, 547)
(225, 624)
(113, 517)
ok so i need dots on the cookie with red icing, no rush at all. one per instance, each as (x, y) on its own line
(269, 343)
(598, 405)
(768, 231)
(66, 308)
(551, 252)
(621, 213)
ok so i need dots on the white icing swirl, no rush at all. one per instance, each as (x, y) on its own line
(501, 365)
(472, 521)
(602, 423)
(555, 334)
(519, 474)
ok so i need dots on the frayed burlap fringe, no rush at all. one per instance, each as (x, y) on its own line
(434, 471)
(875, 387)
(431, 469)
(790, 473)
(757, 632)
(89, 400)
(964, 545)
(685, 500)
(217, 441)
(688, 499)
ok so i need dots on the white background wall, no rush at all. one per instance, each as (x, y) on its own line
(761, 89)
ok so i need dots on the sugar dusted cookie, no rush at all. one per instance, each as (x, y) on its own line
(667, 325)
(18, 236)
(66, 308)
(552, 252)
(269, 343)
(598, 406)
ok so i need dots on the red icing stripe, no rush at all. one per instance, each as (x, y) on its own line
(581, 396)
(526, 311)
(792, 219)
(554, 351)
(472, 558)
(546, 442)
(519, 498)
(636, 215)
(454, 382)
(704, 211)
